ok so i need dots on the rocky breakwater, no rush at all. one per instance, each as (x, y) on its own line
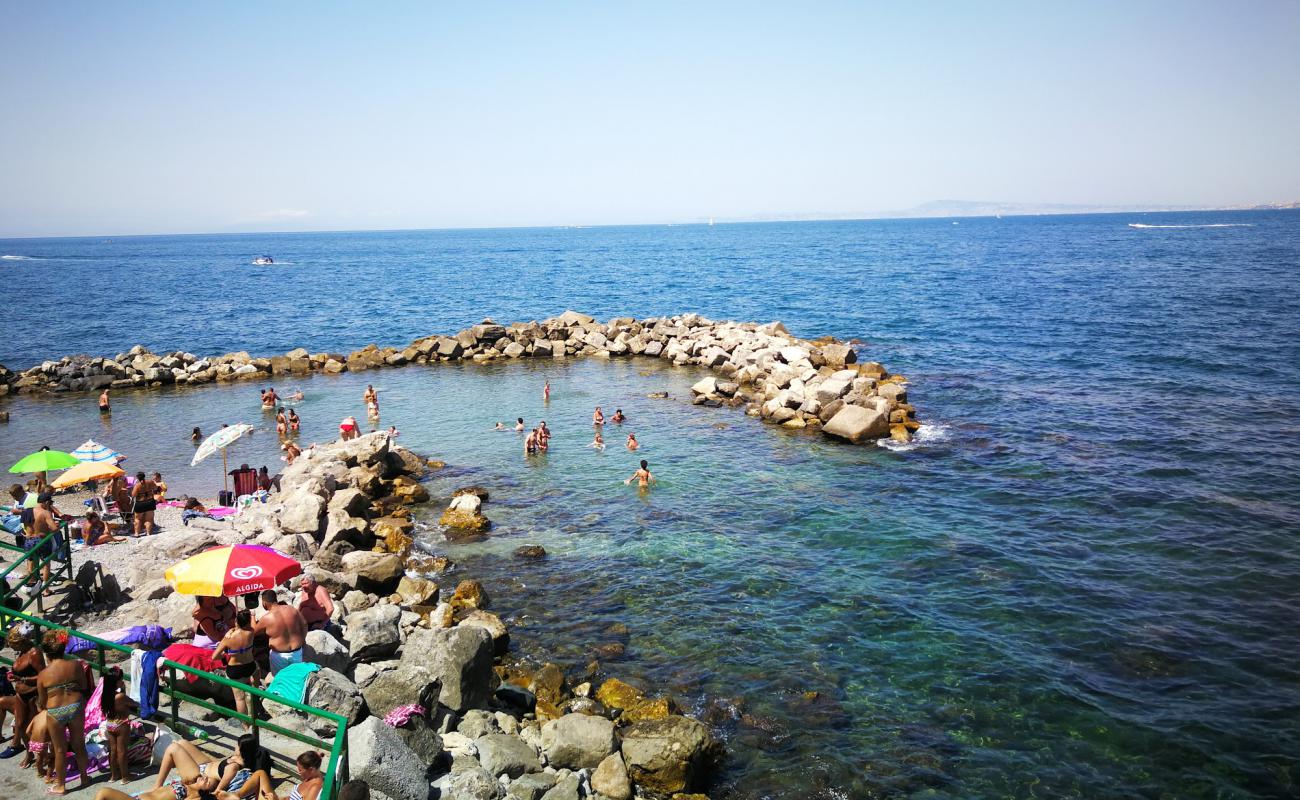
(782, 379)
(405, 633)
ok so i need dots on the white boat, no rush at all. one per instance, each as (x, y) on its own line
(262, 261)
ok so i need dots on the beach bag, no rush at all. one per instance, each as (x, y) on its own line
(225, 498)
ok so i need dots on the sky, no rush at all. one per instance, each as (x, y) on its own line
(134, 117)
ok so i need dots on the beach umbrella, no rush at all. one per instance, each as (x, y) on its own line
(94, 451)
(220, 441)
(44, 461)
(232, 570)
(85, 472)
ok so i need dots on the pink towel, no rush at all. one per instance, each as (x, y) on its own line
(222, 511)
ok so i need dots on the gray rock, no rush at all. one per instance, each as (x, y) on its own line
(423, 738)
(610, 778)
(334, 692)
(503, 754)
(477, 723)
(378, 573)
(378, 756)
(461, 658)
(566, 788)
(831, 389)
(474, 784)
(375, 633)
(322, 648)
(302, 512)
(531, 786)
(857, 424)
(578, 741)
(706, 386)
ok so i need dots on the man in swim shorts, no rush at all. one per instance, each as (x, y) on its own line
(285, 630)
(643, 476)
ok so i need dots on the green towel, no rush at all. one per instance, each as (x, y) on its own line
(291, 682)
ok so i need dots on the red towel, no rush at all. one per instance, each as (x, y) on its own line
(196, 657)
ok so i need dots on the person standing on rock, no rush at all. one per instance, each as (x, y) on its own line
(285, 630)
(104, 407)
(642, 476)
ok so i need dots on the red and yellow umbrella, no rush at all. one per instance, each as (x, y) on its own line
(232, 570)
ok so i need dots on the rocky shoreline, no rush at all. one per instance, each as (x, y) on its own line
(500, 729)
(779, 378)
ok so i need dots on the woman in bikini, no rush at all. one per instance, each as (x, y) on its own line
(310, 780)
(160, 488)
(203, 775)
(237, 649)
(61, 690)
(22, 703)
(213, 619)
(294, 422)
(598, 417)
(143, 493)
(281, 423)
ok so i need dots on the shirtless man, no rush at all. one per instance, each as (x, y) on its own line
(104, 407)
(618, 418)
(45, 520)
(530, 442)
(285, 629)
(642, 476)
(632, 443)
(315, 604)
(270, 398)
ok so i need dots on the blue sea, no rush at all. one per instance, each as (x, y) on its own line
(1083, 579)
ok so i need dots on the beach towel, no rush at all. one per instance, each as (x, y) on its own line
(148, 699)
(291, 682)
(12, 523)
(195, 657)
(133, 680)
(188, 515)
(149, 637)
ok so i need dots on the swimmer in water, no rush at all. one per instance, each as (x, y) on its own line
(500, 427)
(519, 425)
(294, 422)
(598, 418)
(370, 395)
(372, 409)
(281, 423)
(530, 442)
(393, 432)
(296, 395)
(543, 436)
(196, 435)
(642, 476)
(598, 443)
(632, 443)
(618, 418)
(546, 392)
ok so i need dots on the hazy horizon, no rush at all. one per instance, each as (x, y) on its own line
(157, 119)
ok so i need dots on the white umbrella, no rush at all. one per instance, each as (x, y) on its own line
(220, 441)
(95, 452)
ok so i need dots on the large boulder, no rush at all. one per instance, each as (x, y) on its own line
(473, 783)
(503, 754)
(493, 625)
(669, 755)
(378, 756)
(375, 633)
(857, 424)
(333, 691)
(302, 512)
(577, 741)
(378, 573)
(322, 648)
(837, 355)
(460, 658)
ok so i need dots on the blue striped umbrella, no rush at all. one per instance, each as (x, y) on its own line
(94, 451)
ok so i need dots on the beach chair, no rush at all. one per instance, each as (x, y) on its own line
(245, 482)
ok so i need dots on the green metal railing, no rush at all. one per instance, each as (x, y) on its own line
(58, 549)
(336, 772)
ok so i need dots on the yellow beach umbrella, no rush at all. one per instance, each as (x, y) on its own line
(87, 471)
(232, 570)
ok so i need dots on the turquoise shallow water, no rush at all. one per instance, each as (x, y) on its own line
(1083, 582)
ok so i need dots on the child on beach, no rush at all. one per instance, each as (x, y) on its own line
(38, 744)
(117, 724)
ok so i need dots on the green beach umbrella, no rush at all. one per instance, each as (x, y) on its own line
(44, 461)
